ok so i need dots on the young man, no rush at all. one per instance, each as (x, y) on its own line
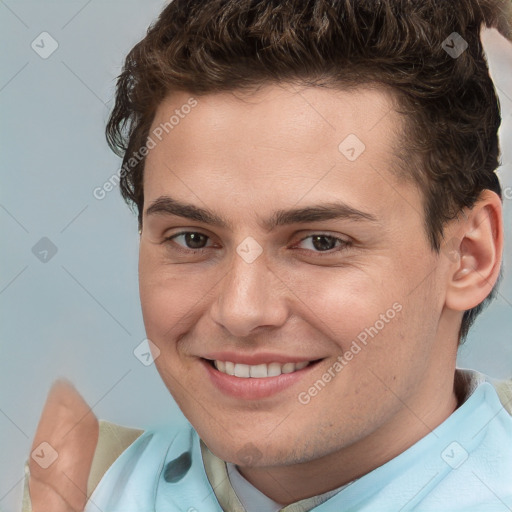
(320, 223)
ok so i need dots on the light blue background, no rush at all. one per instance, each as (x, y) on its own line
(78, 315)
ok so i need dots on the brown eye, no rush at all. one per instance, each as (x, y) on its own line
(195, 240)
(323, 243)
(191, 240)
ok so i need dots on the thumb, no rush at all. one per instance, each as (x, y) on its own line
(62, 451)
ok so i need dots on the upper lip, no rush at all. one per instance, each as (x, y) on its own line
(257, 358)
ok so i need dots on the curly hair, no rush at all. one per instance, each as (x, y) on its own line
(450, 146)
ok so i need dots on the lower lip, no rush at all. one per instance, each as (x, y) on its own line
(253, 388)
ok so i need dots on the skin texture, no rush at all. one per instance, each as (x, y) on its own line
(245, 156)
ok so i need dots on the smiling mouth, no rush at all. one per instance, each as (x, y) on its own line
(258, 371)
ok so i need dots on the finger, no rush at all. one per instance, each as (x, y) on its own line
(63, 449)
(46, 499)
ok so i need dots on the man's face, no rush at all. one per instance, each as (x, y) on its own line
(358, 295)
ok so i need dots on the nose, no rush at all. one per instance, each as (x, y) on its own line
(250, 296)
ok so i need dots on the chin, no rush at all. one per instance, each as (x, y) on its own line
(254, 451)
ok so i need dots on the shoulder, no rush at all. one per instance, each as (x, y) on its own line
(117, 442)
(112, 441)
(163, 464)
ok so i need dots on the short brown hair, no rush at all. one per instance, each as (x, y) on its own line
(450, 146)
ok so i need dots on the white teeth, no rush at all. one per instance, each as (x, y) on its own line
(288, 368)
(258, 371)
(242, 370)
(274, 369)
(230, 368)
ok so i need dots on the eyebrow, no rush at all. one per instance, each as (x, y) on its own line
(166, 205)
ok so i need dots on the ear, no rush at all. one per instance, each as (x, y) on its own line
(476, 253)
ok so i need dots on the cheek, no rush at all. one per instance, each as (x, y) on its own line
(374, 322)
(344, 303)
(169, 294)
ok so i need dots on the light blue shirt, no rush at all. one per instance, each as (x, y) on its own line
(464, 465)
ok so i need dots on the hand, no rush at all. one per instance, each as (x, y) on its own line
(69, 426)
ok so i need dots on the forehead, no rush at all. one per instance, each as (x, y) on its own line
(284, 113)
(281, 140)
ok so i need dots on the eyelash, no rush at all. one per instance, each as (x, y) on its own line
(344, 244)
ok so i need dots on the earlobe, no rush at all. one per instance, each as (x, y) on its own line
(474, 273)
